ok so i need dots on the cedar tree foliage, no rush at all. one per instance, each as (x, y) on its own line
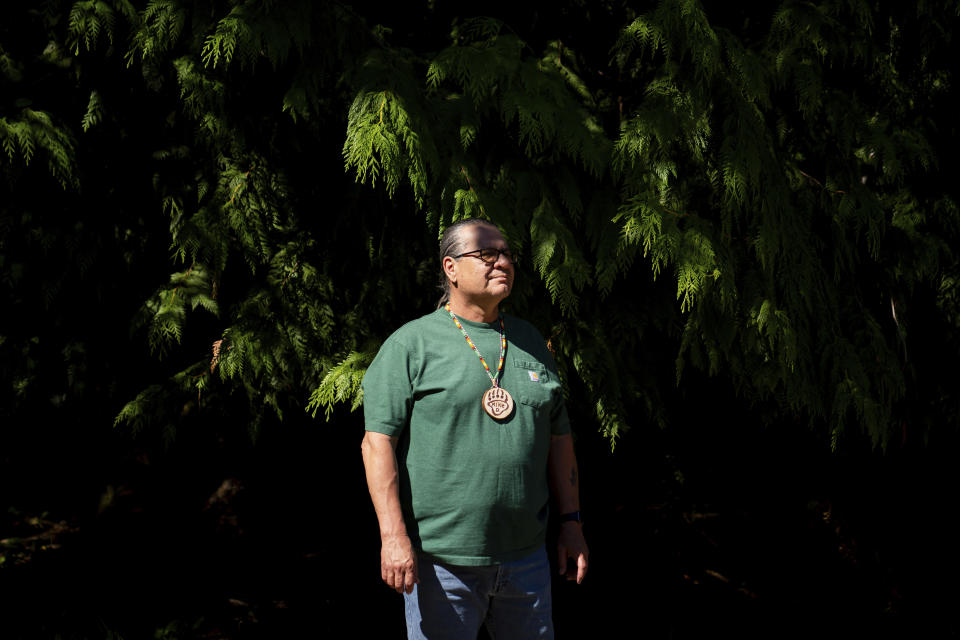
(254, 189)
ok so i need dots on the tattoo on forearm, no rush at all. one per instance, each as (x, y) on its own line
(573, 477)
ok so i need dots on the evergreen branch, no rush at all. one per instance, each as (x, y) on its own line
(293, 270)
(342, 383)
(463, 172)
(94, 112)
(216, 354)
(820, 184)
(239, 185)
(177, 288)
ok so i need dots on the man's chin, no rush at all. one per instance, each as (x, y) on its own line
(500, 289)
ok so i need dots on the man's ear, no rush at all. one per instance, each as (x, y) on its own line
(450, 269)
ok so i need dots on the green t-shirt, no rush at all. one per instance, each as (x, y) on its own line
(473, 490)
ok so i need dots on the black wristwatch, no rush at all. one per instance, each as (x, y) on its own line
(573, 516)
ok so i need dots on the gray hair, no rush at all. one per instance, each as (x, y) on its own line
(452, 243)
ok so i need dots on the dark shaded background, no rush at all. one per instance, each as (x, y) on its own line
(692, 532)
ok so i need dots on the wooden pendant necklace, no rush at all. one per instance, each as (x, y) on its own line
(496, 401)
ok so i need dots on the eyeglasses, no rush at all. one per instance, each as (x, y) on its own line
(490, 255)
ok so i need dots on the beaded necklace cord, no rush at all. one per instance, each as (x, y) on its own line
(503, 347)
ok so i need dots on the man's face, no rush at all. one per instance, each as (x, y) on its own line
(477, 280)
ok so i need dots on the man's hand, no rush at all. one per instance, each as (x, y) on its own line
(571, 545)
(398, 563)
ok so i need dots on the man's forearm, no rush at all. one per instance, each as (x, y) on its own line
(383, 481)
(565, 487)
(398, 560)
(563, 474)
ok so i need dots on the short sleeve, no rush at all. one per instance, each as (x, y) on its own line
(387, 390)
(559, 420)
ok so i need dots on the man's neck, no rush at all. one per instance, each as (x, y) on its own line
(475, 312)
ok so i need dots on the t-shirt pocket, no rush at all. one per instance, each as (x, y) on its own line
(534, 387)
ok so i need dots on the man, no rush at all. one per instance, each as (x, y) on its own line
(466, 439)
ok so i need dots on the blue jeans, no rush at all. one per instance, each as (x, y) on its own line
(512, 599)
